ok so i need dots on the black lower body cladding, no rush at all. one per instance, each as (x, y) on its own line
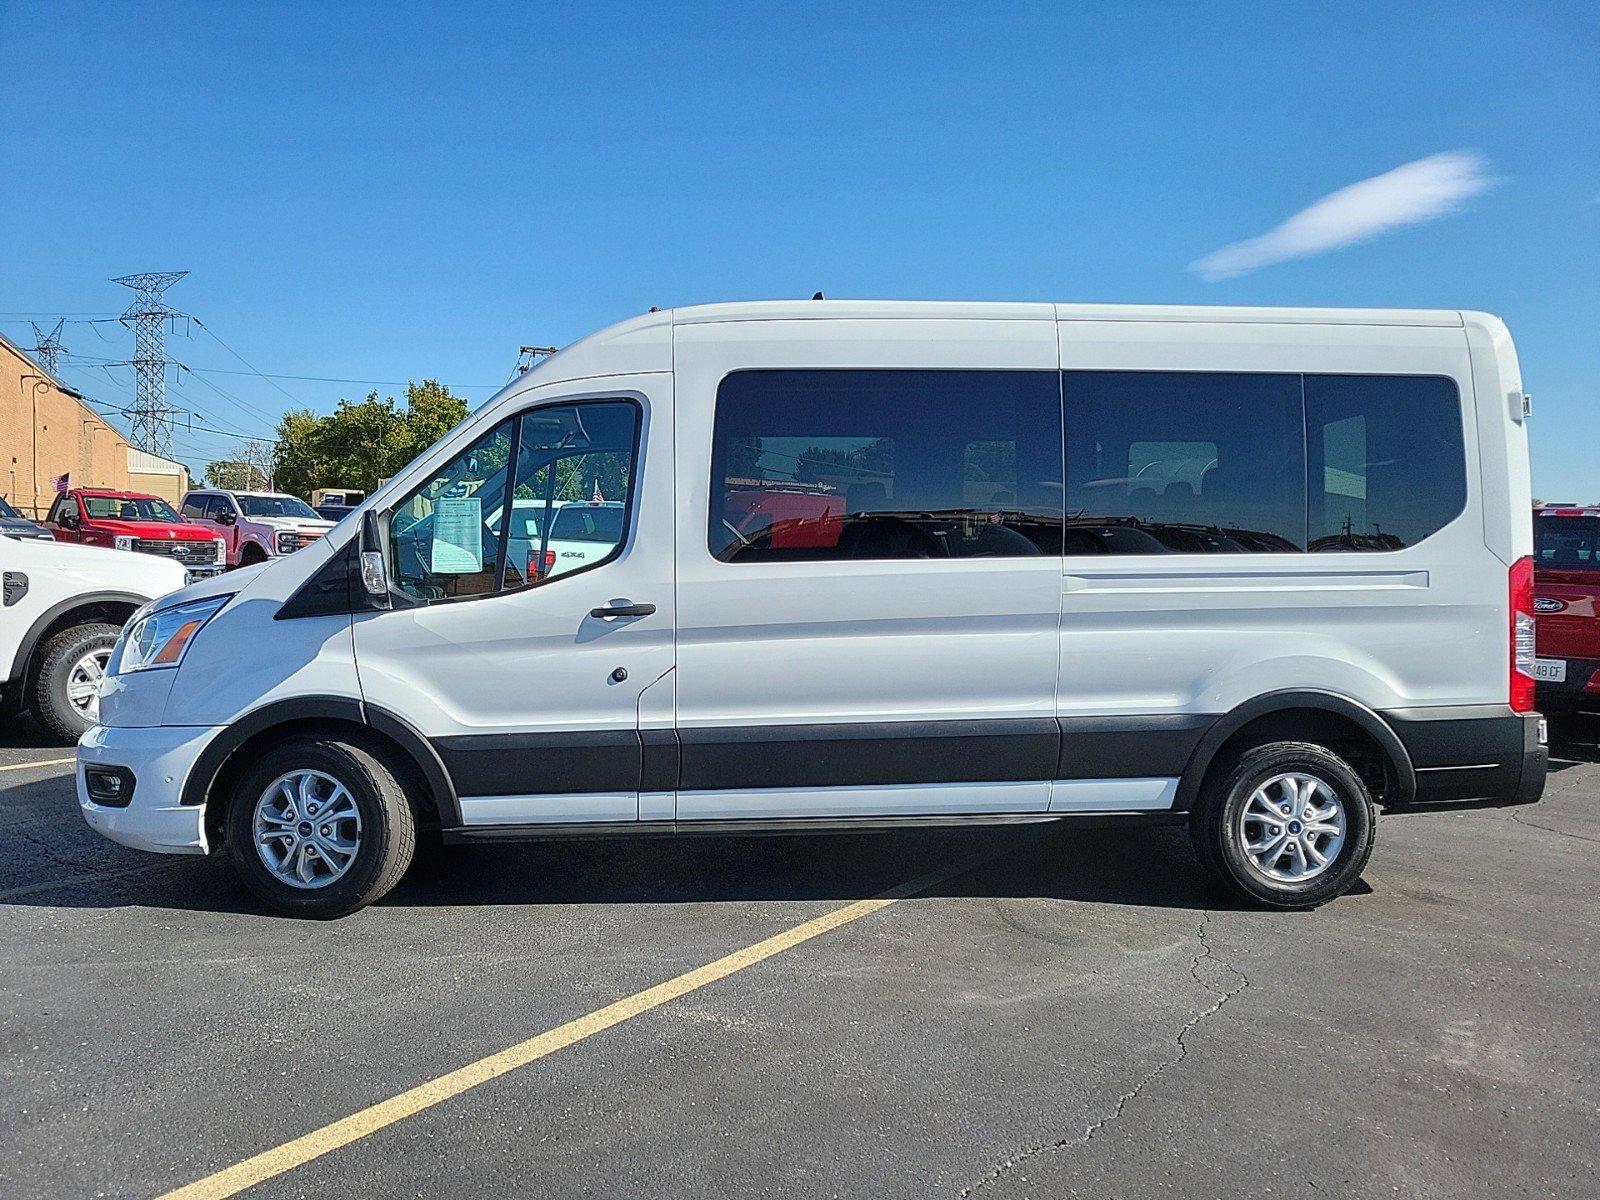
(1474, 753)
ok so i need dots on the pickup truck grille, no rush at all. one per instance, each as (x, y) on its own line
(292, 540)
(192, 554)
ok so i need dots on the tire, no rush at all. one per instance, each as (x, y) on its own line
(62, 655)
(251, 555)
(1229, 811)
(383, 828)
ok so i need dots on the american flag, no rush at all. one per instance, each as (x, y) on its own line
(599, 497)
(63, 481)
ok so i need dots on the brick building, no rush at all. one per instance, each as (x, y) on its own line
(47, 430)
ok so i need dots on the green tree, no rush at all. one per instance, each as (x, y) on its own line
(431, 412)
(362, 442)
(235, 476)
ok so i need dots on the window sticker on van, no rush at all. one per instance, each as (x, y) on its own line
(457, 547)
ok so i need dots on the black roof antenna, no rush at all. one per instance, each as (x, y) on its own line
(819, 296)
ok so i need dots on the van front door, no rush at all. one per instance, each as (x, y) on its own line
(526, 675)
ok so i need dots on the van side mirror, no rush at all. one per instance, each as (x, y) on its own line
(374, 571)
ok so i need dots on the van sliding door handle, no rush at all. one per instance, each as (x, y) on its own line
(622, 610)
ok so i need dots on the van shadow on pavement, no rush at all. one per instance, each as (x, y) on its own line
(1141, 866)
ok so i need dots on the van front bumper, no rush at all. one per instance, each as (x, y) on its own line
(153, 764)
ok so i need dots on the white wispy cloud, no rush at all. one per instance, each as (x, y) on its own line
(1419, 191)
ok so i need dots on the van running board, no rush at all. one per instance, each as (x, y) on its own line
(765, 827)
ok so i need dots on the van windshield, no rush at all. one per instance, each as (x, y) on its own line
(6, 510)
(1567, 543)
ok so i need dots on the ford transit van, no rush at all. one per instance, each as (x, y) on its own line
(1261, 571)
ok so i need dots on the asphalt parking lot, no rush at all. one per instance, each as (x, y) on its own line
(1069, 1015)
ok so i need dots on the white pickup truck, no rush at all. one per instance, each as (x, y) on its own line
(255, 526)
(61, 610)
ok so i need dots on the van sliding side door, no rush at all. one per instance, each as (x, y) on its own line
(869, 570)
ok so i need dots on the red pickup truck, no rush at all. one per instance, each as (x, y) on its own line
(1566, 606)
(135, 521)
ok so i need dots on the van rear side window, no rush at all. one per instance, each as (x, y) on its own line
(819, 465)
(1170, 462)
(1387, 461)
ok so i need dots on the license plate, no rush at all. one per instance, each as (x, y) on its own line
(1551, 670)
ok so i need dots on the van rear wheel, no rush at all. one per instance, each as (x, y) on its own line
(319, 828)
(1289, 825)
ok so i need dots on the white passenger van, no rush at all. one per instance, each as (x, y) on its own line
(878, 564)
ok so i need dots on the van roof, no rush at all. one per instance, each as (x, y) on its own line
(757, 310)
(644, 342)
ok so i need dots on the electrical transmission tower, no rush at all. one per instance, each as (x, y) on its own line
(47, 347)
(149, 317)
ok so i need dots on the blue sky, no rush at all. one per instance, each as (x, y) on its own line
(389, 193)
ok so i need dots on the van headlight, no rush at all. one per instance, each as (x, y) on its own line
(160, 639)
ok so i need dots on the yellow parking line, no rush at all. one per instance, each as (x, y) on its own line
(303, 1149)
(43, 762)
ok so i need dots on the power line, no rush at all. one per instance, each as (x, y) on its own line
(249, 364)
(235, 401)
(270, 375)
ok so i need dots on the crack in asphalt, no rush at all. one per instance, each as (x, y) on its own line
(1526, 824)
(1097, 1127)
(46, 851)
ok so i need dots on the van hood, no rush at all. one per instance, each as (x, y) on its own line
(224, 584)
(165, 531)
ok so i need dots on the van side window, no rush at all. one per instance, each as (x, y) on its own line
(567, 471)
(1388, 465)
(823, 465)
(439, 537)
(573, 490)
(1172, 462)
(1175, 462)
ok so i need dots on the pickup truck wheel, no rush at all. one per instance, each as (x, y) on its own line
(319, 828)
(66, 691)
(1289, 825)
(251, 555)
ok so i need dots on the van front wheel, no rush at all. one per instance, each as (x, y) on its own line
(1288, 826)
(319, 828)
